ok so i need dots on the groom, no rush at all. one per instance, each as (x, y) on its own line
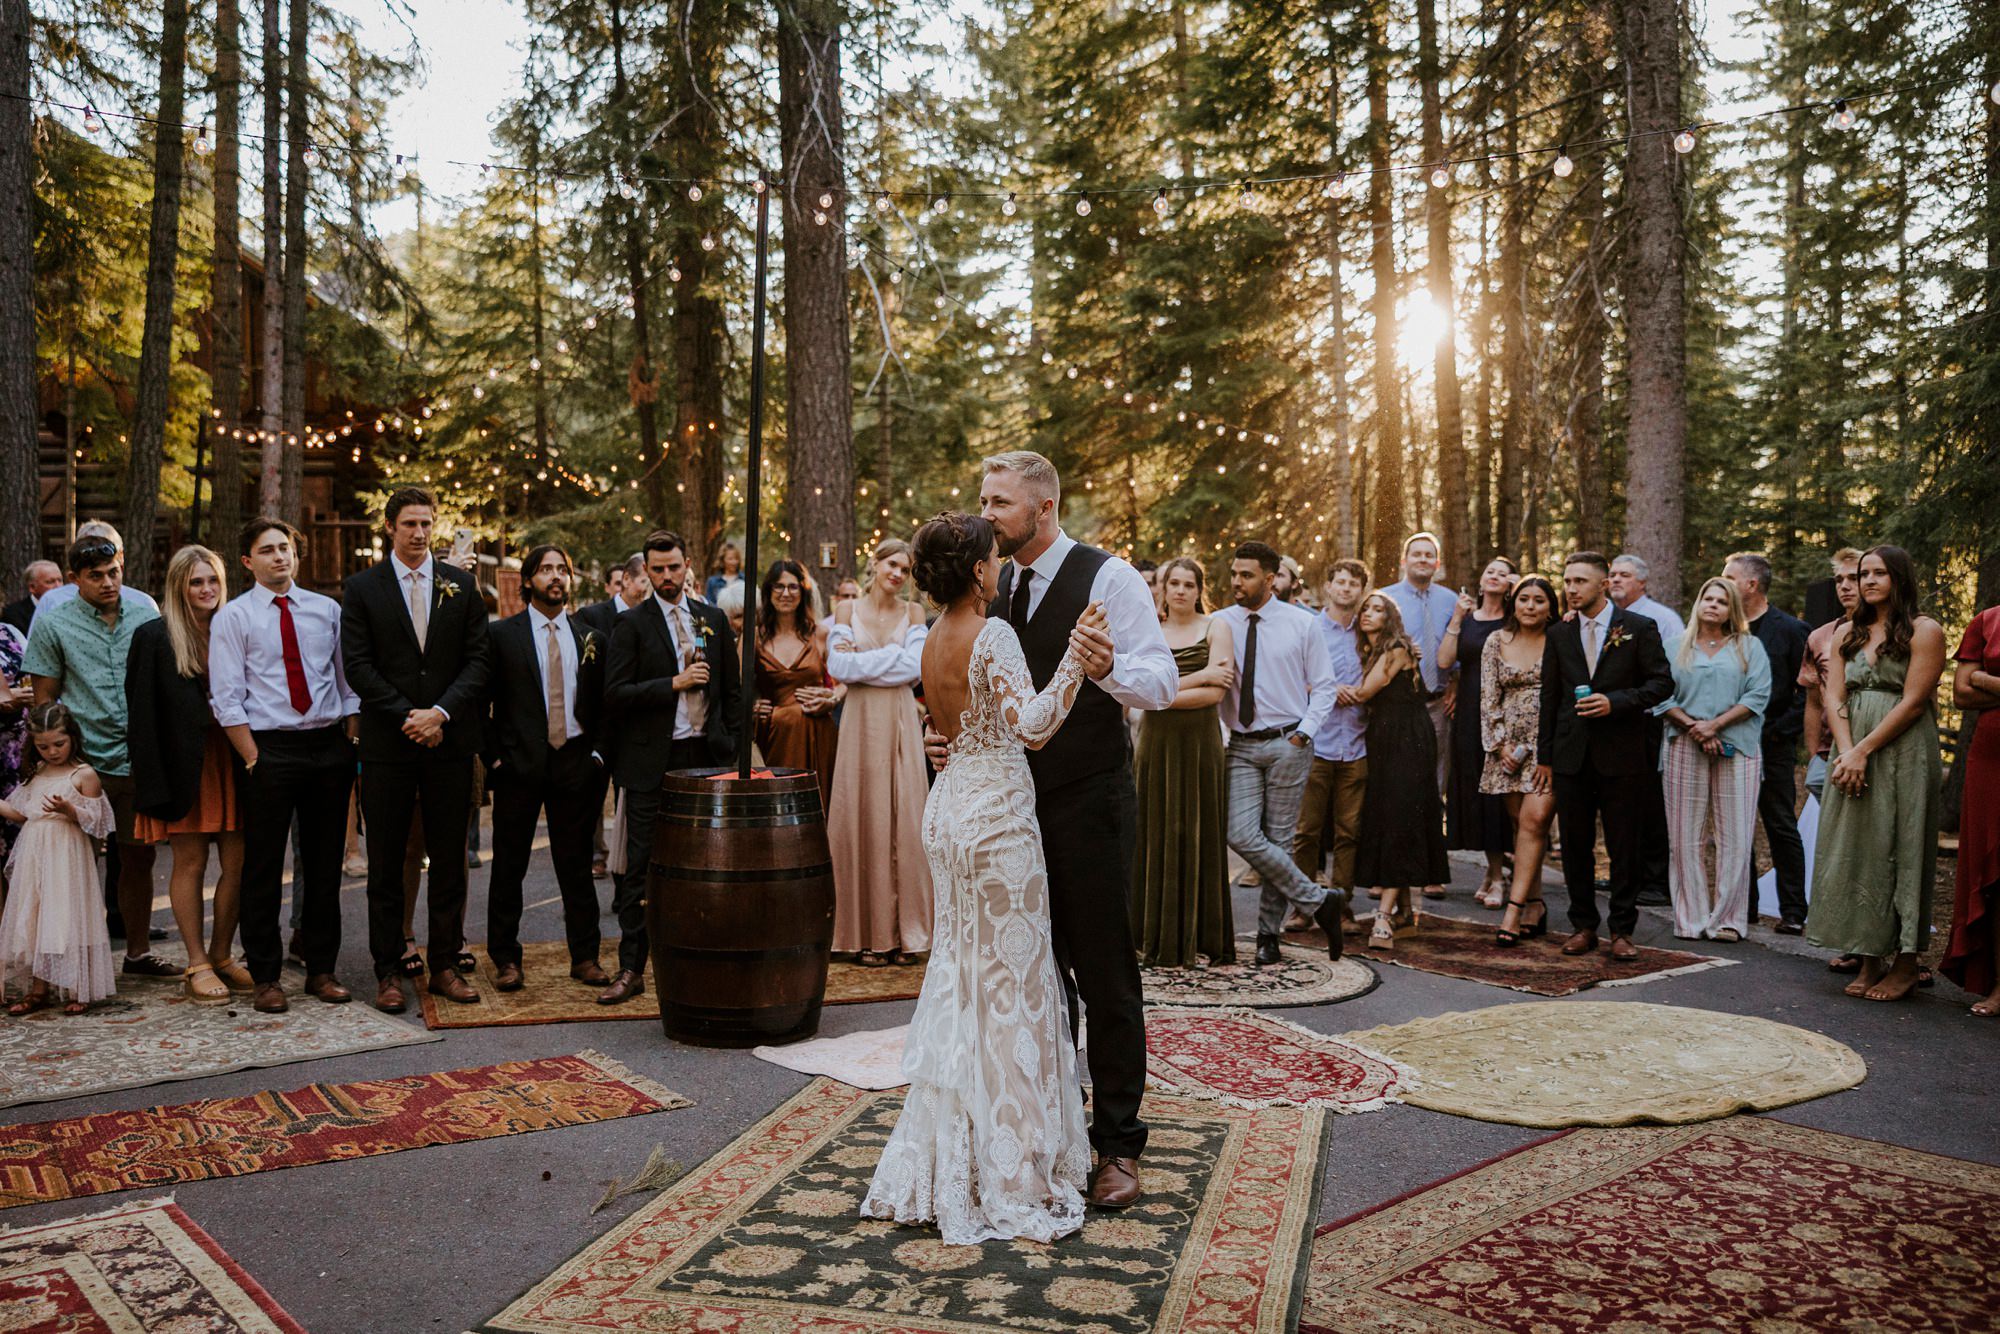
(1083, 783)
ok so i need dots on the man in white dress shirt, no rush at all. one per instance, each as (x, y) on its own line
(279, 690)
(1628, 589)
(1284, 690)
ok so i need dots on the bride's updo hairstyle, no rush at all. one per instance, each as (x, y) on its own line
(947, 549)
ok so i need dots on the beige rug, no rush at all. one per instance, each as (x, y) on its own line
(869, 1060)
(1610, 1063)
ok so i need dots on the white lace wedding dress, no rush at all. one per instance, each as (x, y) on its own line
(991, 1142)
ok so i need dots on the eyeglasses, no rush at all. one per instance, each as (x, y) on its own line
(93, 553)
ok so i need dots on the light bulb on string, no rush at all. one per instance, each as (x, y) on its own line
(1160, 204)
(625, 190)
(1440, 176)
(940, 204)
(708, 241)
(201, 144)
(91, 124)
(1563, 166)
(1337, 186)
(1994, 92)
(1007, 206)
(562, 345)
(1083, 206)
(590, 322)
(826, 199)
(1684, 141)
(1843, 117)
(673, 273)
(1244, 199)
(694, 192)
(479, 391)
(819, 217)
(534, 363)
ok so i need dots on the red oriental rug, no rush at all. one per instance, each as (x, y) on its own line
(1454, 947)
(1248, 1059)
(140, 1268)
(766, 1238)
(1743, 1224)
(320, 1123)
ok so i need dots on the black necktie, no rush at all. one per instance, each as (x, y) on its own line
(1246, 703)
(1017, 610)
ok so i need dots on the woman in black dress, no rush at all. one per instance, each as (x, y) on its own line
(1402, 838)
(1474, 822)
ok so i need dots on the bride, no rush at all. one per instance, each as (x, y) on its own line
(991, 1142)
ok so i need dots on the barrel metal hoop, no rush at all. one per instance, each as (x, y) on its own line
(810, 949)
(720, 876)
(747, 822)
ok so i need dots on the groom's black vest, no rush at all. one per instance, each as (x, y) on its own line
(1093, 740)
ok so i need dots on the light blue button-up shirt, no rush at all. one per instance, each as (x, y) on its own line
(1426, 613)
(1708, 687)
(1344, 737)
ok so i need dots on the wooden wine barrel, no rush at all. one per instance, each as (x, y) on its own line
(739, 907)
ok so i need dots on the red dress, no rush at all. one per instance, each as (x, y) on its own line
(1968, 961)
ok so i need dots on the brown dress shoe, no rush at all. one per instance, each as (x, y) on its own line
(389, 997)
(447, 983)
(590, 972)
(509, 977)
(623, 988)
(1115, 1184)
(1583, 942)
(1623, 950)
(269, 999)
(326, 987)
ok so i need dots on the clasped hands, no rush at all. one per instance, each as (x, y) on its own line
(425, 727)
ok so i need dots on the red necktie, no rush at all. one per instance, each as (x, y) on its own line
(295, 663)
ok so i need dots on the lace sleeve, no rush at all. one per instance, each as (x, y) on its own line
(93, 814)
(1029, 718)
(1492, 729)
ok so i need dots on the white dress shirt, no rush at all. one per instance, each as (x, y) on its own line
(1295, 681)
(1669, 621)
(538, 635)
(246, 662)
(1143, 674)
(681, 623)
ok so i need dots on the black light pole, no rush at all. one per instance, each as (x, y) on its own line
(200, 449)
(754, 486)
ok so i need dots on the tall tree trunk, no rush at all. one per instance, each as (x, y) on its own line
(156, 340)
(1346, 535)
(1511, 488)
(271, 375)
(20, 447)
(1454, 523)
(1589, 326)
(537, 280)
(1482, 394)
(225, 333)
(643, 380)
(694, 146)
(1386, 508)
(819, 419)
(1655, 315)
(298, 179)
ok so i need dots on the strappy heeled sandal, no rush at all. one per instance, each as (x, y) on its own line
(28, 1004)
(1382, 936)
(214, 993)
(1522, 931)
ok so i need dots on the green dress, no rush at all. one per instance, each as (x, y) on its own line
(1180, 900)
(1876, 858)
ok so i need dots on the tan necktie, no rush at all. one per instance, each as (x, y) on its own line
(697, 700)
(1590, 645)
(558, 697)
(420, 607)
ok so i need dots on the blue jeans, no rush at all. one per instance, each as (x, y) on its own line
(1267, 780)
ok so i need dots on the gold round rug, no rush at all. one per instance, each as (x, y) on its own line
(1609, 1063)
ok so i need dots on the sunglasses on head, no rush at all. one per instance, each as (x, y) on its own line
(95, 552)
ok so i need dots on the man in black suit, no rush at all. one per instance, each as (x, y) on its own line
(542, 752)
(1603, 670)
(40, 577)
(413, 640)
(671, 699)
(628, 588)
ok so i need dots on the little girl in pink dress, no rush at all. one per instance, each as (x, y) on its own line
(53, 926)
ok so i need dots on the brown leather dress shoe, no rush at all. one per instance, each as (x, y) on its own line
(447, 983)
(389, 997)
(1115, 1184)
(326, 987)
(1583, 942)
(509, 977)
(623, 988)
(590, 972)
(1623, 950)
(269, 999)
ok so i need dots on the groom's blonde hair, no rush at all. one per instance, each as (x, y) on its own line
(1032, 468)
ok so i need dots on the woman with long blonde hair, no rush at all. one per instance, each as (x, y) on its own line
(183, 768)
(875, 820)
(1714, 762)
(1401, 847)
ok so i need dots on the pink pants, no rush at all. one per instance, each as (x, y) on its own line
(1712, 795)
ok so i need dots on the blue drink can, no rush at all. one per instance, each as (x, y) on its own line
(1582, 693)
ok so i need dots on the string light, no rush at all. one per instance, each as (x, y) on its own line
(694, 192)
(1843, 118)
(1684, 141)
(1083, 206)
(1563, 166)
(1160, 204)
(1008, 206)
(1337, 186)
(1994, 92)
(708, 241)
(826, 199)
(91, 124)
(673, 273)
(1440, 177)
(201, 144)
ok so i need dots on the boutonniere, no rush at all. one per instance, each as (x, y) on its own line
(447, 590)
(589, 646)
(1618, 638)
(701, 632)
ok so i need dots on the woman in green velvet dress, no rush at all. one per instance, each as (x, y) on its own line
(1180, 900)
(1878, 827)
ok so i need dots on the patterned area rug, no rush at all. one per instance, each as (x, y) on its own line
(1454, 947)
(764, 1237)
(320, 1123)
(1306, 977)
(150, 1033)
(1745, 1224)
(1610, 1063)
(872, 1060)
(551, 996)
(1250, 1060)
(141, 1268)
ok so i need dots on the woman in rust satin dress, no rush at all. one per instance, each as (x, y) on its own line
(1973, 958)
(795, 700)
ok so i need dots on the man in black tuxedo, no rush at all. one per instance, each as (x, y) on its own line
(543, 753)
(671, 699)
(413, 641)
(628, 588)
(1595, 744)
